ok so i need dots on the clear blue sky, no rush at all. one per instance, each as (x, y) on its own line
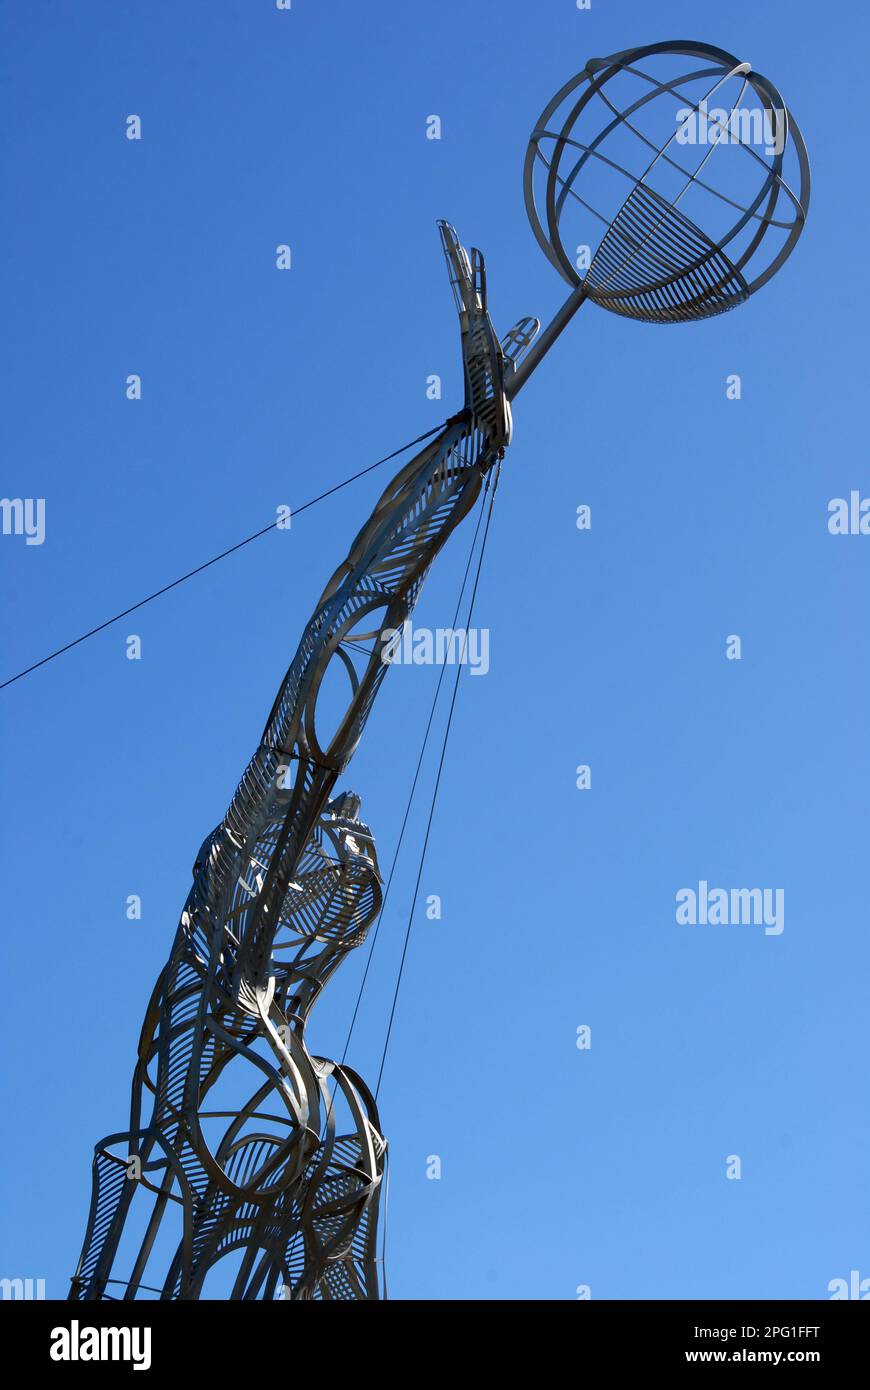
(560, 1167)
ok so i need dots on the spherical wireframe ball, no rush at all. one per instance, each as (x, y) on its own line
(671, 182)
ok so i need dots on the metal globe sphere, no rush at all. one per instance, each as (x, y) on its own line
(676, 176)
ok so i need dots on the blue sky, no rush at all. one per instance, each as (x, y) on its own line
(560, 1167)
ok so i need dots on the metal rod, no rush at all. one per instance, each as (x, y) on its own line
(545, 341)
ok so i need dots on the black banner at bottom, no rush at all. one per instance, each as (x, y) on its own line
(262, 1340)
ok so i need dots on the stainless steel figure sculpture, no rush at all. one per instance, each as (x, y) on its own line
(283, 888)
(244, 1150)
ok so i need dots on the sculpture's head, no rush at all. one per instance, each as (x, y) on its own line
(671, 182)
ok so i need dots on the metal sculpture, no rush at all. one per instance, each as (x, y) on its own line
(290, 869)
(282, 1173)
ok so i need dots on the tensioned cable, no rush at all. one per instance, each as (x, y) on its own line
(437, 783)
(215, 558)
(413, 790)
(383, 1260)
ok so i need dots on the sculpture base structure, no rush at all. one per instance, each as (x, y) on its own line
(290, 1175)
